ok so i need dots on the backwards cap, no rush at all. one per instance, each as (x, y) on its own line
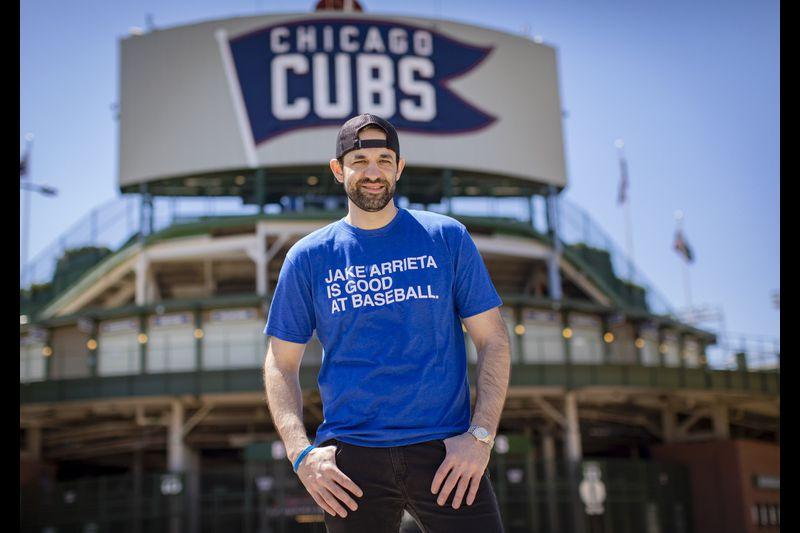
(348, 140)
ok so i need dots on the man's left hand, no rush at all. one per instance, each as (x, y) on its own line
(464, 465)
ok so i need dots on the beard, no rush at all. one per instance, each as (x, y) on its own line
(369, 201)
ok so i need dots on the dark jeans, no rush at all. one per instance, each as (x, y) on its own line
(400, 477)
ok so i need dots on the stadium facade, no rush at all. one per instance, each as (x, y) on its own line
(141, 393)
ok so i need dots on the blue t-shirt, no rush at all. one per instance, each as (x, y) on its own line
(386, 305)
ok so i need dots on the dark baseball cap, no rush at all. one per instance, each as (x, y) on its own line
(348, 140)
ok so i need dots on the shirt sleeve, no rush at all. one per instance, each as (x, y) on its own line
(291, 313)
(474, 290)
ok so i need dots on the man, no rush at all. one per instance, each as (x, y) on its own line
(384, 288)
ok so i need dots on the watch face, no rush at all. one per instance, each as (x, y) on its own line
(481, 433)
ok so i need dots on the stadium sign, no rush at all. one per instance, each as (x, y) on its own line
(271, 92)
(315, 73)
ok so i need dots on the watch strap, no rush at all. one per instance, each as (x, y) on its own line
(473, 427)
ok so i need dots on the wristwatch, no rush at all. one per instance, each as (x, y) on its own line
(482, 434)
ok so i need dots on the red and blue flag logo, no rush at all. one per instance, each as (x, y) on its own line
(311, 73)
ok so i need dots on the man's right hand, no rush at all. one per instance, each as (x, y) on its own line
(324, 481)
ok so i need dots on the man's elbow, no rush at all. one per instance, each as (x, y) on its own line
(498, 344)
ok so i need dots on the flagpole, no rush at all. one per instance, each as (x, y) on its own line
(27, 186)
(686, 286)
(25, 222)
(629, 237)
(26, 211)
(620, 144)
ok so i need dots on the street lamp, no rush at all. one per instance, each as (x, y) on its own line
(26, 185)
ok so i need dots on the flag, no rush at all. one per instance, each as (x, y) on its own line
(623, 181)
(24, 162)
(682, 247)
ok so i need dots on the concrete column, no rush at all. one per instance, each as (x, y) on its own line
(152, 293)
(721, 421)
(176, 454)
(554, 274)
(176, 463)
(574, 456)
(549, 458)
(261, 262)
(572, 439)
(668, 424)
(261, 277)
(269, 253)
(142, 266)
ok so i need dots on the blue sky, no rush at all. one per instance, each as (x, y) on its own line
(691, 86)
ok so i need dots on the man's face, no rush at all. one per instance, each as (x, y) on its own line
(370, 174)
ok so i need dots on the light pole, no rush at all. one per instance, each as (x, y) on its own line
(26, 186)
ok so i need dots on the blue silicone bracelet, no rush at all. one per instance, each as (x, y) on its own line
(302, 456)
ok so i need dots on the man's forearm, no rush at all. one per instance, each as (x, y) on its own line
(285, 402)
(494, 360)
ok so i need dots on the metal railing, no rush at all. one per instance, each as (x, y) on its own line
(109, 225)
(739, 351)
(115, 222)
(576, 226)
